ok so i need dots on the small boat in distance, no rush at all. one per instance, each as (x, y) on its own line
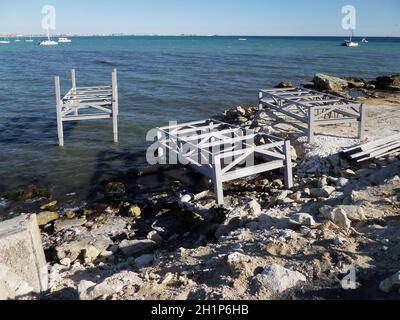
(17, 40)
(242, 39)
(64, 40)
(364, 40)
(48, 42)
(29, 40)
(5, 41)
(350, 42)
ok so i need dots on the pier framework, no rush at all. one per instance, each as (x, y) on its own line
(224, 152)
(314, 108)
(87, 103)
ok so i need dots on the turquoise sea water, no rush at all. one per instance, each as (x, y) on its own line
(160, 79)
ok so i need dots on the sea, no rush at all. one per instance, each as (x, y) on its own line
(161, 79)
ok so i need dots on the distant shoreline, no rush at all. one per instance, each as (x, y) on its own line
(194, 36)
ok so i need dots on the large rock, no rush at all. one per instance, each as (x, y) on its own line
(336, 215)
(302, 219)
(390, 283)
(328, 83)
(61, 225)
(88, 247)
(46, 217)
(239, 263)
(144, 261)
(235, 113)
(23, 264)
(388, 82)
(323, 192)
(239, 217)
(134, 247)
(91, 291)
(355, 82)
(277, 279)
(353, 212)
(285, 84)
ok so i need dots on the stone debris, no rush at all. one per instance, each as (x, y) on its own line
(268, 243)
(133, 247)
(303, 219)
(391, 283)
(337, 215)
(144, 261)
(277, 279)
(61, 225)
(46, 217)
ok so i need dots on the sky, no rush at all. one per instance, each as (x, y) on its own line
(202, 17)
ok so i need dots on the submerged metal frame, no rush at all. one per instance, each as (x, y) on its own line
(314, 108)
(219, 151)
(98, 102)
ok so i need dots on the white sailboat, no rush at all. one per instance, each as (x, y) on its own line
(48, 42)
(350, 43)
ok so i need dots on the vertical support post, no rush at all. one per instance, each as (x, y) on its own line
(115, 105)
(60, 128)
(288, 165)
(260, 96)
(361, 124)
(311, 125)
(73, 78)
(217, 180)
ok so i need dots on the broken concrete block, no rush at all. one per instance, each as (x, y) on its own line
(23, 264)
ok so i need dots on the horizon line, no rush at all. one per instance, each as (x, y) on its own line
(117, 34)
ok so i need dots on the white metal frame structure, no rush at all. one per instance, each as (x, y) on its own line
(87, 103)
(224, 152)
(314, 108)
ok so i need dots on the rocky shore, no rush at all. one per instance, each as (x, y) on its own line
(267, 243)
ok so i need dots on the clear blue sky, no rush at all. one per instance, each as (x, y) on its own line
(203, 17)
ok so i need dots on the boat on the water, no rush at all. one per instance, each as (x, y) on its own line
(350, 42)
(364, 40)
(242, 39)
(29, 40)
(64, 40)
(48, 42)
(5, 41)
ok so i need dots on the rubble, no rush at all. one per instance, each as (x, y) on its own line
(277, 279)
(267, 243)
(390, 283)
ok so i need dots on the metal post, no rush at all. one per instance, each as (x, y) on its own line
(59, 113)
(361, 124)
(288, 165)
(311, 125)
(73, 77)
(115, 105)
(217, 180)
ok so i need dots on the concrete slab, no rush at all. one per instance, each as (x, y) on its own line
(23, 266)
